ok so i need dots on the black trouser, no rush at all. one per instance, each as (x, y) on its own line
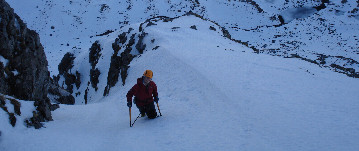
(149, 109)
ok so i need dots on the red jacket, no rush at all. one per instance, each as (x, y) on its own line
(142, 93)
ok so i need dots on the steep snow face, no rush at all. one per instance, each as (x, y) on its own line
(215, 94)
(127, 39)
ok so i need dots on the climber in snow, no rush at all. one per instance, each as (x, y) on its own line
(145, 92)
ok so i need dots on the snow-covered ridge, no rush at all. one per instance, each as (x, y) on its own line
(329, 34)
(90, 75)
(215, 94)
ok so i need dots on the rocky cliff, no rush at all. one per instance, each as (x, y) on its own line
(23, 67)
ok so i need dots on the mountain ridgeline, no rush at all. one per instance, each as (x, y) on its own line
(302, 30)
(127, 45)
(277, 36)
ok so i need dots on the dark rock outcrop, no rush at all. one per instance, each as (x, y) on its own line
(60, 95)
(12, 118)
(42, 114)
(17, 106)
(65, 67)
(23, 69)
(119, 64)
(26, 71)
(322, 5)
(140, 46)
(94, 74)
(212, 28)
(66, 63)
(193, 27)
(94, 56)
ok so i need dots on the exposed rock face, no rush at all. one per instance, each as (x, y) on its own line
(12, 118)
(59, 93)
(120, 63)
(23, 65)
(26, 69)
(140, 46)
(65, 67)
(94, 55)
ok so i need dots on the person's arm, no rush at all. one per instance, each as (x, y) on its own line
(155, 93)
(131, 93)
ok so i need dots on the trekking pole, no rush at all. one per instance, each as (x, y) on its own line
(135, 120)
(158, 108)
(130, 116)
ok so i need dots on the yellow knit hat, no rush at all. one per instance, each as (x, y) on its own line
(148, 73)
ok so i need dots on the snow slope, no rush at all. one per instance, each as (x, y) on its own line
(215, 94)
(66, 26)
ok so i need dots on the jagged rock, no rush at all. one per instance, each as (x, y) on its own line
(43, 107)
(114, 70)
(150, 24)
(17, 106)
(348, 71)
(226, 33)
(322, 5)
(122, 38)
(12, 119)
(212, 28)
(66, 63)
(34, 121)
(131, 41)
(126, 58)
(27, 76)
(104, 7)
(94, 74)
(60, 95)
(65, 67)
(67, 99)
(140, 46)
(105, 33)
(86, 93)
(27, 64)
(54, 107)
(193, 27)
(155, 48)
(119, 64)
(281, 20)
(95, 54)
(2, 100)
(78, 80)
(116, 47)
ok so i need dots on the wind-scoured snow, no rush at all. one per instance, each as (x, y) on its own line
(215, 94)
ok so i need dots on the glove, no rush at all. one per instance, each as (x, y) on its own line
(156, 99)
(129, 104)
